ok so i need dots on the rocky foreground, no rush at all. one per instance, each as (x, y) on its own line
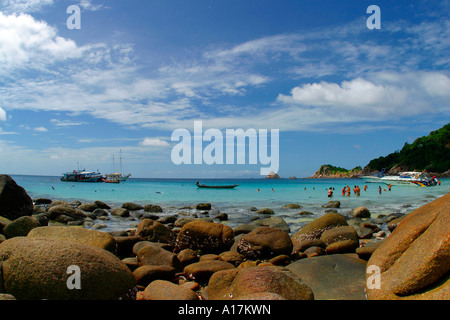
(46, 253)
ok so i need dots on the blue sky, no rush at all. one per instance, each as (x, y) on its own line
(137, 70)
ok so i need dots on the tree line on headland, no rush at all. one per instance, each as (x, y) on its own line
(430, 153)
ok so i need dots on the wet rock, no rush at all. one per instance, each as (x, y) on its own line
(132, 206)
(120, 212)
(332, 204)
(203, 206)
(64, 213)
(265, 211)
(292, 206)
(361, 212)
(153, 208)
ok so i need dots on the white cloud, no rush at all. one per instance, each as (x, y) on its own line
(66, 123)
(41, 129)
(386, 94)
(154, 142)
(28, 43)
(2, 115)
(87, 5)
(23, 6)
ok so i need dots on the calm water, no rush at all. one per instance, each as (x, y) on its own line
(172, 194)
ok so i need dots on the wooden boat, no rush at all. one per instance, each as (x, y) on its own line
(216, 186)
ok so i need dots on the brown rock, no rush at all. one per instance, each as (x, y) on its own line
(187, 256)
(37, 268)
(165, 290)
(265, 242)
(414, 260)
(146, 274)
(209, 237)
(361, 212)
(202, 271)
(233, 257)
(20, 227)
(314, 229)
(88, 237)
(154, 231)
(156, 256)
(235, 284)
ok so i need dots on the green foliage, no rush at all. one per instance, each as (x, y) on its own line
(431, 153)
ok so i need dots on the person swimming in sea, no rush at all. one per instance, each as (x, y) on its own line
(330, 193)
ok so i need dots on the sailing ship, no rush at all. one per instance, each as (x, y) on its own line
(117, 176)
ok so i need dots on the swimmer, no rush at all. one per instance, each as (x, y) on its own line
(379, 190)
(330, 193)
(365, 187)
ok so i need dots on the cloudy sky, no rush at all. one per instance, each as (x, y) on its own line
(337, 91)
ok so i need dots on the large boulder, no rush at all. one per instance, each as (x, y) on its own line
(41, 268)
(88, 237)
(208, 237)
(14, 200)
(414, 261)
(333, 277)
(235, 284)
(265, 242)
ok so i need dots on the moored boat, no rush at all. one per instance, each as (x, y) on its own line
(82, 176)
(232, 186)
(404, 178)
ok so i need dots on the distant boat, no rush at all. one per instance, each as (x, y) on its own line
(82, 176)
(404, 178)
(216, 186)
(118, 175)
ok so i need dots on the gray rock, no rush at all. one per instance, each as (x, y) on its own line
(333, 277)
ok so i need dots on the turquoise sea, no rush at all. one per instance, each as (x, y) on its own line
(173, 194)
